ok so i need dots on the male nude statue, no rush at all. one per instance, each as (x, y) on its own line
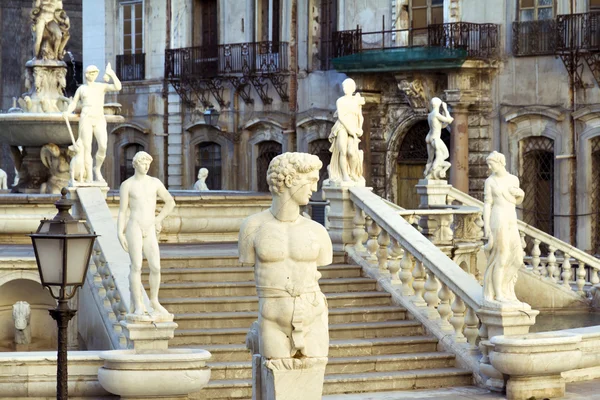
(437, 152)
(48, 15)
(138, 234)
(92, 122)
(286, 249)
(346, 158)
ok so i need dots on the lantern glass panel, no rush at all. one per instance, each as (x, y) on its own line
(78, 251)
(50, 259)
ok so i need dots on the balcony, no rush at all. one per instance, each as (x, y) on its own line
(578, 32)
(534, 38)
(131, 67)
(205, 69)
(434, 47)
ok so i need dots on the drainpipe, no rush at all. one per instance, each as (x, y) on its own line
(573, 160)
(165, 94)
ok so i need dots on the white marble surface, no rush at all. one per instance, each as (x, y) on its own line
(437, 152)
(201, 182)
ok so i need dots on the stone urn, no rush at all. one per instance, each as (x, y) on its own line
(534, 362)
(155, 374)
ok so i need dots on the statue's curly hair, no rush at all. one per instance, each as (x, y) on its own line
(288, 166)
(140, 156)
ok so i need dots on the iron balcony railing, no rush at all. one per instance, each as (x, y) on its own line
(131, 67)
(481, 41)
(578, 32)
(534, 38)
(254, 58)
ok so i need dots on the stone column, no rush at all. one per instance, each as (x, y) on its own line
(339, 216)
(459, 148)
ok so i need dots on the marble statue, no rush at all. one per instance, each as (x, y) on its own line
(76, 166)
(56, 160)
(414, 92)
(346, 165)
(138, 234)
(50, 29)
(21, 313)
(504, 252)
(16, 180)
(286, 249)
(92, 122)
(3, 180)
(437, 152)
(201, 182)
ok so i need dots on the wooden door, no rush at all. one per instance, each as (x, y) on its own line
(408, 177)
(329, 17)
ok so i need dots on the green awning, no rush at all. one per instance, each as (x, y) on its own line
(401, 59)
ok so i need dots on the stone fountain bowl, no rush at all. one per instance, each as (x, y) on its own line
(38, 129)
(160, 373)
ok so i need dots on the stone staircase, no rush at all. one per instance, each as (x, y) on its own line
(375, 345)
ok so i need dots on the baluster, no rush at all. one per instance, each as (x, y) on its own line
(523, 246)
(594, 279)
(431, 295)
(444, 307)
(551, 263)
(406, 276)
(458, 319)
(581, 277)
(419, 284)
(471, 327)
(382, 252)
(543, 269)
(566, 271)
(358, 233)
(535, 257)
(396, 253)
(372, 244)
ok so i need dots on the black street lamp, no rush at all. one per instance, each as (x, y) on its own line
(63, 247)
(211, 116)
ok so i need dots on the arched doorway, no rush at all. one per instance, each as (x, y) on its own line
(595, 192)
(208, 155)
(267, 151)
(537, 181)
(128, 151)
(320, 148)
(412, 159)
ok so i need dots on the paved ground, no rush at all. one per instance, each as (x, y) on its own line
(575, 391)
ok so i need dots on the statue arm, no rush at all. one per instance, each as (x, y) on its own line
(343, 117)
(122, 218)
(517, 192)
(246, 241)
(326, 251)
(73, 104)
(487, 208)
(169, 206)
(116, 85)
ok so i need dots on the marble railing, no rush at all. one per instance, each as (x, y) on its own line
(444, 297)
(546, 256)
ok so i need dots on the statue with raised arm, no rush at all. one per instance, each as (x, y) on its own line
(139, 234)
(93, 122)
(346, 159)
(437, 152)
(50, 29)
(201, 182)
(503, 250)
(286, 248)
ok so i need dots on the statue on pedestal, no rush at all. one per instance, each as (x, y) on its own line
(346, 165)
(286, 248)
(201, 182)
(437, 152)
(50, 28)
(139, 234)
(3, 180)
(504, 251)
(93, 122)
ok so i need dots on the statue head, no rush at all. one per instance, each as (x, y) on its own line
(496, 161)
(141, 161)
(436, 102)
(349, 86)
(91, 73)
(21, 312)
(202, 173)
(297, 173)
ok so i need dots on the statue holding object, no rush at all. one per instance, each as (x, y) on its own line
(437, 152)
(50, 29)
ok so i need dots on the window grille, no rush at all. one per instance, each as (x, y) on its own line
(267, 151)
(537, 180)
(127, 153)
(208, 155)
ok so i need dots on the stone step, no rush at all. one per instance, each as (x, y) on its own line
(247, 288)
(238, 274)
(366, 330)
(244, 319)
(337, 348)
(250, 303)
(352, 383)
(348, 365)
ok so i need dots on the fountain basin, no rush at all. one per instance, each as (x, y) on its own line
(534, 362)
(164, 373)
(39, 129)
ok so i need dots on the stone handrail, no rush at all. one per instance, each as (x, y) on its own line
(560, 258)
(434, 288)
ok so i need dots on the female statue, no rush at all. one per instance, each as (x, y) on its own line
(503, 250)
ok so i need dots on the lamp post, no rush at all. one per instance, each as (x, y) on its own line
(63, 247)
(211, 116)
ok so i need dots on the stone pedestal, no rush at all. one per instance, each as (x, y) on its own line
(147, 334)
(432, 192)
(288, 379)
(340, 215)
(507, 320)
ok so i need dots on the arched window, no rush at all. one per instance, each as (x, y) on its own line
(208, 155)
(127, 153)
(266, 152)
(320, 148)
(412, 159)
(537, 180)
(595, 194)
